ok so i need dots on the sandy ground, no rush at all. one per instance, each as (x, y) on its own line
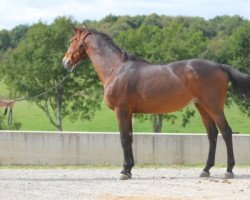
(103, 184)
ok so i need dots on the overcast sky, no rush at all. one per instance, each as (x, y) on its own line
(15, 12)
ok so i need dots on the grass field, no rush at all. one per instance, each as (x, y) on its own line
(33, 118)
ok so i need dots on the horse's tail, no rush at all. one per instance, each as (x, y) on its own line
(240, 81)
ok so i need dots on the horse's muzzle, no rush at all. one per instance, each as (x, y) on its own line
(66, 64)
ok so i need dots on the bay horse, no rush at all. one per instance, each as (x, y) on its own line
(133, 85)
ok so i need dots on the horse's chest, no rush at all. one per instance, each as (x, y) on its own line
(116, 93)
(111, 96)
(109, 102)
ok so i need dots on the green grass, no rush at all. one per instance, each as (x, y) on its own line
(33, 118)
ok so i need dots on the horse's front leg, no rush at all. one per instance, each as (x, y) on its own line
(125, 125)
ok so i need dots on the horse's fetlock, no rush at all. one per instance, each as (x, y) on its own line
(231, 163)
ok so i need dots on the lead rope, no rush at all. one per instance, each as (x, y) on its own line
(10, 116)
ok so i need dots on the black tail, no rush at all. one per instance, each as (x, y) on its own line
(239, 80)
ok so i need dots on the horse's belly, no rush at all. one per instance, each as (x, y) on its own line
(163, 104)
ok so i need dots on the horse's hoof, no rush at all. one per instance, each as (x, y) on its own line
(125, 176)
(229, 175)
(204, 174)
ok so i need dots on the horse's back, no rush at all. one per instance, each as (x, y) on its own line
(170, 87)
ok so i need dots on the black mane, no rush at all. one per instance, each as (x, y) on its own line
(109, 40)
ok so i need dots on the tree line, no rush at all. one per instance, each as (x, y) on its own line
(30, 58)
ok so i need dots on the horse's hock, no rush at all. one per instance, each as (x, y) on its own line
(74, 148)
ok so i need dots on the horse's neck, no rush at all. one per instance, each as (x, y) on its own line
(105, 61)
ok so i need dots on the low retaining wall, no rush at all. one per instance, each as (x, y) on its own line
(75, 148)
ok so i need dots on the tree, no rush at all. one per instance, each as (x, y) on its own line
(35, 65)
(5, 41)
(225, 24)
(153, 20)
(17, 34)
(237, 52)
(10, 39)
(215, 49)
(233, 49)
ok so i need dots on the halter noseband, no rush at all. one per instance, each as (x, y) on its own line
(81, 44)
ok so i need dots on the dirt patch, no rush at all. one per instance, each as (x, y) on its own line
(115, 197)
(103, 184)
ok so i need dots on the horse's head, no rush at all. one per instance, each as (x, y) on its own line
(77, 49)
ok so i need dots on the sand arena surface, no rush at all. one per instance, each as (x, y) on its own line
(103, 184)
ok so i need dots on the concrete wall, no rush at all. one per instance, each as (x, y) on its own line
(74, 148)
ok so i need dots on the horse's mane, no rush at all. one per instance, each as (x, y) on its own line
(109, 40)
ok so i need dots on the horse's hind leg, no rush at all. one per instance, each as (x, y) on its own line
(212, 133)
(226, 132)
(218, 116)
(211, 92)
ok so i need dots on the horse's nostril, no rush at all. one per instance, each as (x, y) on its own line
(65, 62)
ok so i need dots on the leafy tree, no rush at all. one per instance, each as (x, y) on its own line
(113, 24)
(35, 65)
(5, 41)
(225, 24)
(17, 34)
(137, 21)
(238, 48)
(109, 19)
(122, 24)
(179, 43)
(237, 52)
(10, 39)
(153, 20)
(233, 49)
(215, 49)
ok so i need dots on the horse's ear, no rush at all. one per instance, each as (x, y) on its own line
(73, 28)
(84, 26)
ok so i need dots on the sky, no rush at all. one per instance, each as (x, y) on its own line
(15, 12)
